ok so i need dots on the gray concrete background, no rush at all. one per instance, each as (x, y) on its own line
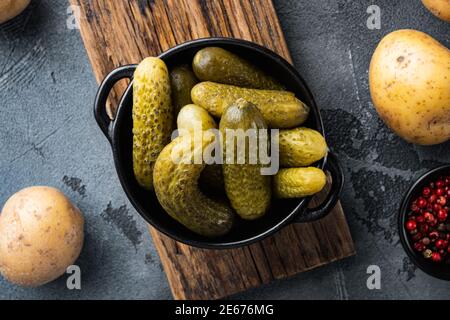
(48, 137)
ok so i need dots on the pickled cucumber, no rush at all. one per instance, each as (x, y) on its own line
(298, 182)
(176, 186)
(300, 147)
(192, 117)
(249, 191)
(182, 80)
(152, 117)
(219, 65)
(280, 109)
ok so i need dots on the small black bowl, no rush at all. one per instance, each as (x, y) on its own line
(437, 270)
(281, 213)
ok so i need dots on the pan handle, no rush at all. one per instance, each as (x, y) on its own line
(102, 118)
(322, 210)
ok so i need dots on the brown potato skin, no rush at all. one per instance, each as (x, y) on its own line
(11, 8)
(440, 8)
(409, 81)
(41, 234)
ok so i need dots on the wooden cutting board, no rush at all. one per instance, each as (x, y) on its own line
(125, 31)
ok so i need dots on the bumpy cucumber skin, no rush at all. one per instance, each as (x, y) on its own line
(219, 65)
(192, 117)
(182, 80)
(301, 147)
(152, 117)
(176, 186)
(280, 109)
(298, 182)
(249, 192)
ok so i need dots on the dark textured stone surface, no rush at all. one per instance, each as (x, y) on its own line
(48, 136)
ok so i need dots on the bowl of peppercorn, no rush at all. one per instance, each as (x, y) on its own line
(424, 222)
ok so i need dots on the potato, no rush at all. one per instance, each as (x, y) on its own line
(409, 81)
(192, 117)
(440, 8)
(41, 234)
(11, 8)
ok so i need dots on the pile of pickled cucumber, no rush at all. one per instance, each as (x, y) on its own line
(219, 91)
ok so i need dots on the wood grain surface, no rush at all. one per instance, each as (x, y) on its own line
(125, 31)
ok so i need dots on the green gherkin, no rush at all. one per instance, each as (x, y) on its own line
(249, 191)
(152, 117)
(298, 182)
(182, 80)
(219, 65)
(301, 147)
(176, 178)
(280, 109)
